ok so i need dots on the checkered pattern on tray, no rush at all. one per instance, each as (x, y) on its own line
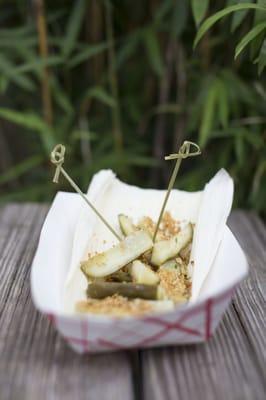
(196, 324)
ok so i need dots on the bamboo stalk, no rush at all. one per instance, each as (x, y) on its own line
(205, 52)
(116, 117)
(164, 91)
(181, 86)
(94, 34)
(85, 143)
(93, 70)
(43, 50)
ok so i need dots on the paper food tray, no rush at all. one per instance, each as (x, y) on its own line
(62, 244)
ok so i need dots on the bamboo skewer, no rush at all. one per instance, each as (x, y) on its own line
(184, 152)
(57, 158)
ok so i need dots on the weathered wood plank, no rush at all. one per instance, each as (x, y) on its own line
(230, 365)
(250, 299)
(34, 362)
(222, 368)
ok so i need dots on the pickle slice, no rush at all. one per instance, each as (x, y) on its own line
(141, 273)
(170, 264)
(126, 225)
(100, 290)
(166, 249)
(119, 276)
(112, 260)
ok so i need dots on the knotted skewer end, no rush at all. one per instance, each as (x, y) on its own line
(185, 151)
(58, 158)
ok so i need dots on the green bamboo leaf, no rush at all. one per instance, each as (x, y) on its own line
(37, 65)
(11, 42)
(58, 41)
(259, 174)
(19, 169)
(27, 54)
(255, 45)
(153, 50)
(22, 31)
(239, 91)
(255, 140)
(240, 149)
(162, 10)
(199, 9)
(86, 53)
(3, 84)
(257, 42)
(73, 26)
(259, 17)
(17, 32)
(27, 120)
(262, 58)
(239, 16)
(61, 97)
(179, 18)
(6, 67)
(248, 37)
(129, 47)
(100, 94)
(208, 114)
(33, 122)
(223, 108)
(209, 22)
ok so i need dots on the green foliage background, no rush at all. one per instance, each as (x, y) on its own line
(125, 87)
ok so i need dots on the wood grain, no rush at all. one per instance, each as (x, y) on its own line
(34, 362)
(250, 299)
(232, 364)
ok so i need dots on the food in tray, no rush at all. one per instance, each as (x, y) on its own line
(138, 275)
(195, 268)
(149, 268)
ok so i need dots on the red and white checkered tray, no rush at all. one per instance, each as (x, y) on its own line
(192, 323)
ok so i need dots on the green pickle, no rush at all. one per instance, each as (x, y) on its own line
(119, 276)
(100, 290)
(126, 225)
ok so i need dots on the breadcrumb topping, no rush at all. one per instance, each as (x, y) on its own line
(173, 284)
(114, 305)
(168, 226)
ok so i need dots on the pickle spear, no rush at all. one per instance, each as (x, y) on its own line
(126, 225)
(100, 290)
(170, 264)
(166, 249)
(110, 261)
(141, 273)
(119, 276)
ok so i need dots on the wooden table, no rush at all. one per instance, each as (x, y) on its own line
(35, 364)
